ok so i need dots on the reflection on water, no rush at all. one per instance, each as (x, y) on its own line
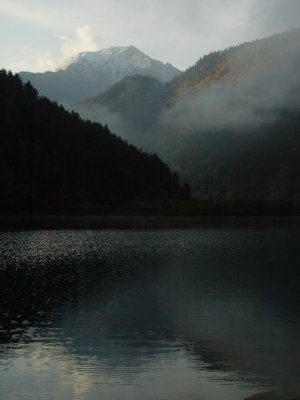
(210, 313)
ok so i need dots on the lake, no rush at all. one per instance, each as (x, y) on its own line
(208, 313)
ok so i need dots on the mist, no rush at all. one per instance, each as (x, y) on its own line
(102, 115)
(117, 123)
(243, 102)
(236, 136)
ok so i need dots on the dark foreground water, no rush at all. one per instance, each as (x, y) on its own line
(209, 313)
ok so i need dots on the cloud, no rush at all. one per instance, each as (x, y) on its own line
(239, 103)
(33, 60)
(179, 33)
(85, 40)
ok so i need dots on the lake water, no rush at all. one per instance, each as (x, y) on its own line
(207, 313)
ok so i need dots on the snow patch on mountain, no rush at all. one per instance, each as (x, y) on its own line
(110, 57)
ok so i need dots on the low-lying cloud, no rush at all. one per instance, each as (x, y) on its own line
(241, 103)
(84, 39)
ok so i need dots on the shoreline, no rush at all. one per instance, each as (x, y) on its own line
(117, 221)
(290, 392)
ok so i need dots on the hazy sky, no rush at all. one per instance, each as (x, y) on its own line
(37, 35)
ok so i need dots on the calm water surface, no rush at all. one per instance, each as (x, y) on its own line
(210, 313)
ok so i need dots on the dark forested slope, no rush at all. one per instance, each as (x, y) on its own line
(53, 161)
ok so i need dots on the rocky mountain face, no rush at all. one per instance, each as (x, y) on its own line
(91, 73)
(229, 124)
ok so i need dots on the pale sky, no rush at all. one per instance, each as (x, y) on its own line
(38, 35)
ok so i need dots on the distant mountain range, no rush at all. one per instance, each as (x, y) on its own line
(91, 73)
(229, 124)
(268, 62)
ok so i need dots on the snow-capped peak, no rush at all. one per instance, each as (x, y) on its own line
(119, 56)
(93, 72)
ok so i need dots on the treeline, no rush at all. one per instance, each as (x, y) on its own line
(52, 161)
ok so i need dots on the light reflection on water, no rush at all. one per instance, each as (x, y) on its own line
(210, 313)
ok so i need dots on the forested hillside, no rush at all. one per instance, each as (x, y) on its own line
(237, 62)
(257, 164)
(54, 162)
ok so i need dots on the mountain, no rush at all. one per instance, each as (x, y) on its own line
(237, 62)
(131, 108)
(91, 73)
(229, 124)
(54, 162)
(232, 127)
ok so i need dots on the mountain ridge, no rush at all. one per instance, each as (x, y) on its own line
(234, 62)
(90, 73)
